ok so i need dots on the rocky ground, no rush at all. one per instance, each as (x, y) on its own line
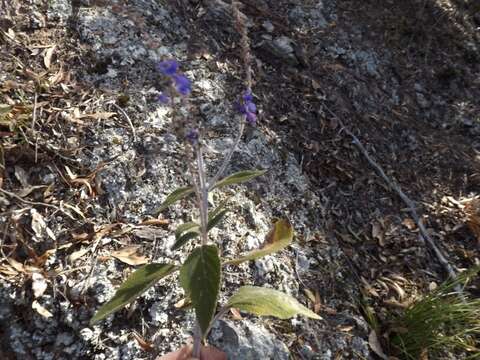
(88, 155)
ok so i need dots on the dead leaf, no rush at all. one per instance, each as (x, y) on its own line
(236, 314)
(8, 270)
(472, 210)
(148, 233)
(58, 77)
(345, 328)
(310, 295)
(47, 58)
(83, 181)
(39, 284)
(129, 256)
(81, 237)
(78, 254)
(396, 304)
(409, 224)
(378, 233)
(70, 174)
(38, 223)
(104, 230)
(375, 345)
(29, 189)
(74, 208)
(395, 286)
(16, 265)
(98, 116)
(41, 310)
(22, 176)
(11, 33)
(50, 233)
(182, 303)
(155, 222)
(42, 259)
(144, 344)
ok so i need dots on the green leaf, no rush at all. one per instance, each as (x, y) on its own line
(239, 177)
(200, 278)
(215, 220)
(218, 209)
(184, 233)
(182, 240)
(136, 284)
(277, 239)
(176, 195)
(268, 302)
(188, 231)
(189, 226)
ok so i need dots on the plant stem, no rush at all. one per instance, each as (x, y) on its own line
(197, 342)
(217, 317)
(195, 186)
(228, 157)
(204, 194)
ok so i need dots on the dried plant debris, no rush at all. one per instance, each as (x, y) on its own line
(87, 157)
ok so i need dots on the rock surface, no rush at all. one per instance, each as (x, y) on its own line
(115, 48)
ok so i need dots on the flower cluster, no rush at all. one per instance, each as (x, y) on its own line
(192, 136)
(248, 108)
(182, 83)
(183, 87)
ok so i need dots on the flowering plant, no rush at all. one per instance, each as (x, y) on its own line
(200, 273)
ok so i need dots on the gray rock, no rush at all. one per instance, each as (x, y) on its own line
(158, 314)
(49, 178)
(307, 352)
(252, 242)
(64, 339)
(308, 18)
(282, 48)
(283, 45)
(368, 61)
(264, 266)
(247, 341)
(361, 347)
(267, 25)
(303, 262)
(422, 101)
(59, 11)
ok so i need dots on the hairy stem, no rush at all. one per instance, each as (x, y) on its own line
(197, 342)
(197, 337)
(204, 195)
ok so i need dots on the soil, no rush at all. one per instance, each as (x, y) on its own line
(403, 76)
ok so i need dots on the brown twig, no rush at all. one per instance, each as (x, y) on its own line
(33, 203)
(410, 204)
(128, 120)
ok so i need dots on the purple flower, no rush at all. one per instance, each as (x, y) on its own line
(247, 96)
(248, 108)
(251, 107)
(182, 84)
(251, 118)
(163, 98)
(168, 67)
(192, 136)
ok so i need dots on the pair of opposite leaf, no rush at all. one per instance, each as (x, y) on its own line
(201, 272)
(256, 300)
